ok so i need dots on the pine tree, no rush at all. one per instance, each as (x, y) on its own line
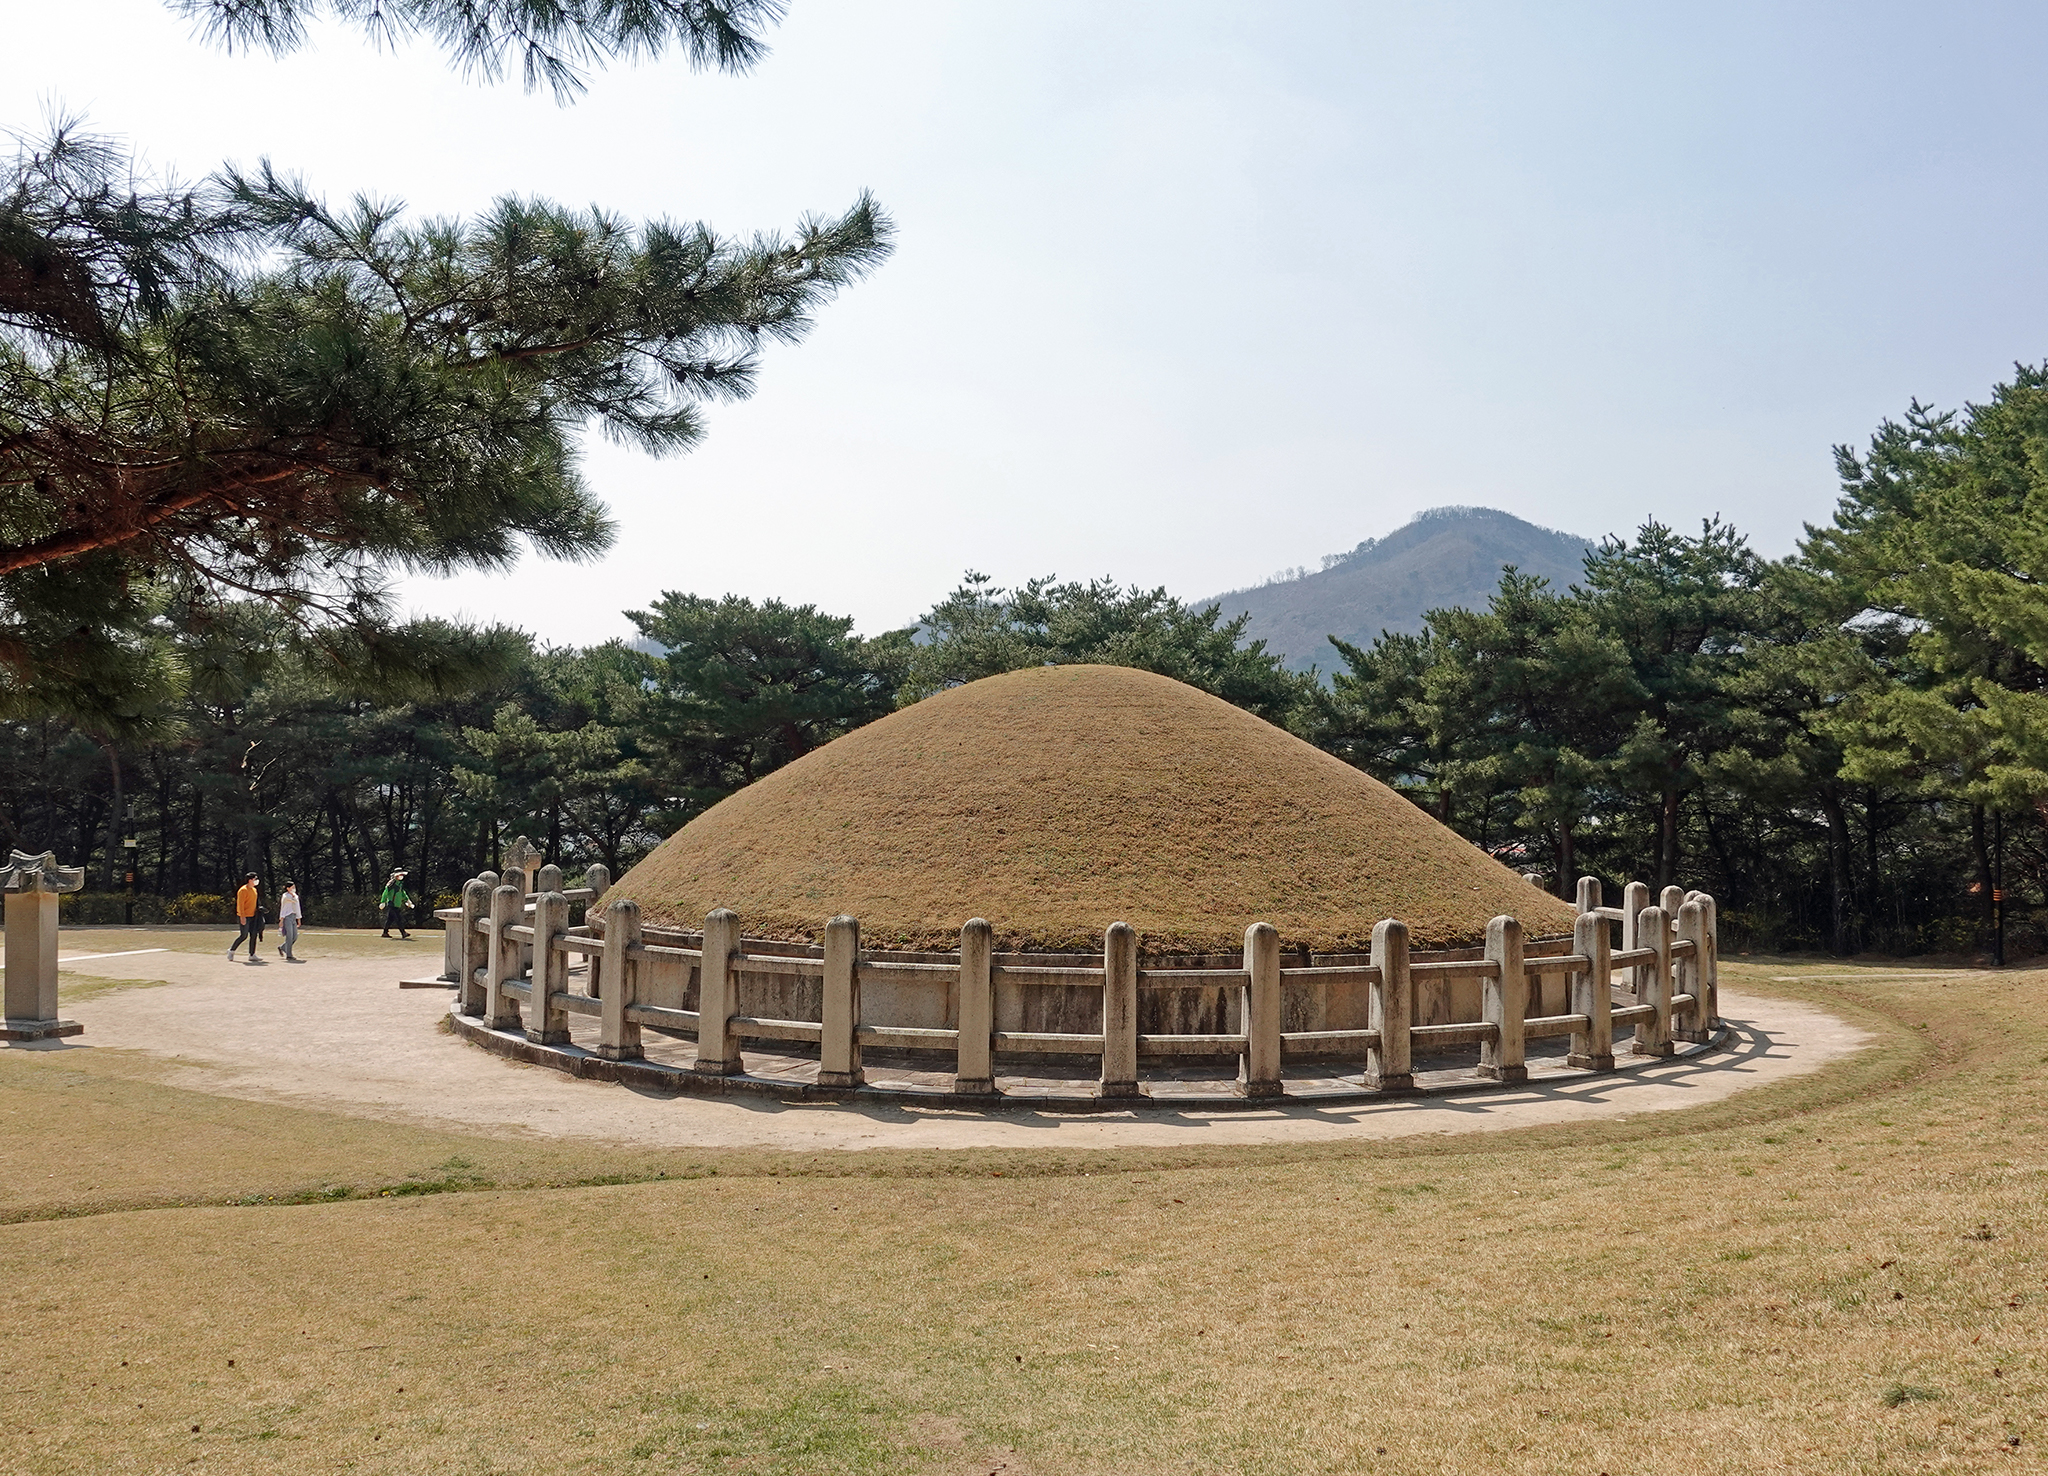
(233, 391)
(980, 630)
(1941, 542)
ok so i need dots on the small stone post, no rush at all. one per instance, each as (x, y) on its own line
(619, 1037)
(1593, 996)
(597, 879)
(1671, 899)
(1504, 1004)
(522, 869)
(501, 1010)
(1259, 1068)
(1634, 898)
(1653, 983)
(546, 1022)
(838, 1046)
(718, 1047)
(975, 1072)
(1589, 894)
(549, 879)
(1710, 971)
(32, 885)
(451, 953)
(1119, 1012)
(1692, 927)
(476, 948)
(1388, 1065)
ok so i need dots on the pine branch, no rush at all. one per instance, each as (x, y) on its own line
(551, 39)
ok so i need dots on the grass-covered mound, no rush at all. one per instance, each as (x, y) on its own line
(1056, 801)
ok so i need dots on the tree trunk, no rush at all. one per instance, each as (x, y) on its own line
(1980, 852)
(1667, 841)
(1567, 863)
(114, 825)
(1838, 871)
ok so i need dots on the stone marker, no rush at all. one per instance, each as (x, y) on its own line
(1119, 1013)
(32, 884)
(974, 1072)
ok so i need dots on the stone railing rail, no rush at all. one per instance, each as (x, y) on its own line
(510, 950)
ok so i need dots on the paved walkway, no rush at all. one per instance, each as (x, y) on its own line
(338, 1035)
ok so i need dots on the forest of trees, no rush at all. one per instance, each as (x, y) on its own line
(1848, 747)
(230, 415)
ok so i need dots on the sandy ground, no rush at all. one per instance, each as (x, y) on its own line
(337, 1034)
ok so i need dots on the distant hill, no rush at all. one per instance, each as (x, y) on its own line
(1446, 556)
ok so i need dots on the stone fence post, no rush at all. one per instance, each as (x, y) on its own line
(1634, 898)
(1653, 983)
(718, 1048)
(1119, 1012)
(975, 1071)
(1387, 1065)
(619, 1037)
(1710, 971)
(475, 957)
(838, 1045)
(1589, 894)
(1692, 973)
(1592, 1048)
(1504, 1004)
(597, 878)
(501, 1010)
(1260, 1065)
(546, 1022)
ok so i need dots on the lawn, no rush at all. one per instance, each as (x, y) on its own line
(1838, 1273)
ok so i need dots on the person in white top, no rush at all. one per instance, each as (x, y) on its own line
(288, 921)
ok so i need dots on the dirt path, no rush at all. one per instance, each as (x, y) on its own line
(336, 1034)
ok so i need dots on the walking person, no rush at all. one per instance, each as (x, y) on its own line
(288, 921)
(394, 901)
(250, 914)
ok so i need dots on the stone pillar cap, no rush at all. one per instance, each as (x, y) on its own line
(26, 873)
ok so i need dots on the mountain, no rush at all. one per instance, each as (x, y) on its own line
(1446, 556)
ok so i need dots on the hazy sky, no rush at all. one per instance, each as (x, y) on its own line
(1187, 292)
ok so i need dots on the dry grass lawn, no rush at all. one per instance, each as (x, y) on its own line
(1840, 1273)
(1056, 801)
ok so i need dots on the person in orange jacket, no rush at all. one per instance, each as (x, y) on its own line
(251, 918)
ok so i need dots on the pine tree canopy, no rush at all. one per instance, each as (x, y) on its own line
(550, 38)
(980, 630)
(234, 388)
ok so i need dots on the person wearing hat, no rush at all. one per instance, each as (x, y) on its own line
(392, 901)
(250, 916)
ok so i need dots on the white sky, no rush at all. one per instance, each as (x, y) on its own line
(1187, 292)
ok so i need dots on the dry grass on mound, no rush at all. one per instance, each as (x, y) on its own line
(1835, 1275)
(1056, 801)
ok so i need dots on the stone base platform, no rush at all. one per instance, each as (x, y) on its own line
(39, 1029)
(898, 1079)
(434, 983)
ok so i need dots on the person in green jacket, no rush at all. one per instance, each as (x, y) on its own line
(392, 901)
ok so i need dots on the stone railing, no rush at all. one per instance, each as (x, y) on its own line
(512, 953)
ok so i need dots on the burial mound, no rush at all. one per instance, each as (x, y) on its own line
(1057, 800)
